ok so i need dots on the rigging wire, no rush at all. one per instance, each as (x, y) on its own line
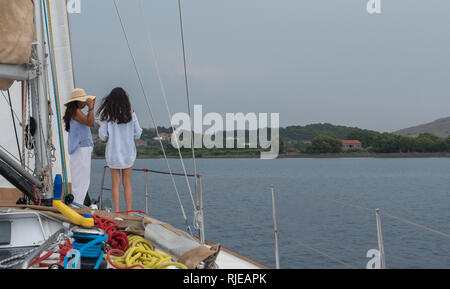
(151, 113)
(192, 140)
(14, 157)
(251, 224)
(256, 225)
(350, 205)
(24, 105)
(341, 203)
(10, 105)
(164, 94)
(188, 99)
(240, 221)
(15, 128)
(416, 225)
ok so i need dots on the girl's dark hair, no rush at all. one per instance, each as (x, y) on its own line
(116, 107)
(70, 113)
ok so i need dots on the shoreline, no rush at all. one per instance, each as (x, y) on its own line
(369, 155)
(299, 155)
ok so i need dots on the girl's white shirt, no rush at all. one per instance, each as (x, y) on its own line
(120, 148)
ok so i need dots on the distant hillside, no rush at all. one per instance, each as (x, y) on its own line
(440, 128)
(293, 134)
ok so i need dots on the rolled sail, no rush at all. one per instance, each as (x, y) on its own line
(17, 34)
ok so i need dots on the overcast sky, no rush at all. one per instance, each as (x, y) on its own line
(310, 60)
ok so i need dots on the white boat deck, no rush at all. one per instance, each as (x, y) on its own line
(21, 219)
(226, 260)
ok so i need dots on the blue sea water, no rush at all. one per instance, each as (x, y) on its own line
(325, 207)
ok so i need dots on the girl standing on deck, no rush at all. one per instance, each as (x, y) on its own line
(78, 125)
(120, 127)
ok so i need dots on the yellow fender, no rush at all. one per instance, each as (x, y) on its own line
(73, 216)
(68, 212)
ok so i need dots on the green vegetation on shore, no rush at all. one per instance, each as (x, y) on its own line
(312, 140)
(326, 138)
(151, 147)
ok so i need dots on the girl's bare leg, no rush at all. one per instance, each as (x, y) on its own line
(128, 190)
(115, 177)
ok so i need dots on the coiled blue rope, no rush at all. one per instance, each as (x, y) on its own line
(92, 249)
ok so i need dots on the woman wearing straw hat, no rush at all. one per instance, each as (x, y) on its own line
(78, 125)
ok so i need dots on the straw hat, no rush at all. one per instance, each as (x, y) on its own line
(78, 94)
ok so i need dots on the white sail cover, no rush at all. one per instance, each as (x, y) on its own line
(16, 34)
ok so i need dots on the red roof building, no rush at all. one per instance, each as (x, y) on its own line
(351, 145)
(140, 142)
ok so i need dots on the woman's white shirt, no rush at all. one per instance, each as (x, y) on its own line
(120, 148)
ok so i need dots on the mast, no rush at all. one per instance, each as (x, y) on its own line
(39, 105)
(38, 76)
(25, 61)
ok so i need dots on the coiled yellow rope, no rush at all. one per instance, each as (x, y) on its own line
(141, 254)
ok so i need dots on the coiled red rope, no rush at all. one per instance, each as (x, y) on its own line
(116, 239)
(64, 248)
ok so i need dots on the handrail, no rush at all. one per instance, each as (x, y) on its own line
(275, 230)
(198, 213)
(165, 173)
(378, 213)
(250, 223)
(145, 170)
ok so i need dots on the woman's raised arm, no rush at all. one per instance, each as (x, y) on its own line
(88, 120)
